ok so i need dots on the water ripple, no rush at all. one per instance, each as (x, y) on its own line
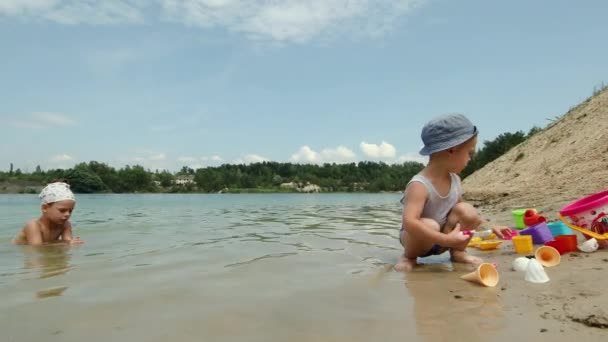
(223, 231)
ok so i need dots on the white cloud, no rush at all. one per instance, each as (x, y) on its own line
(149, 159)
(254, 158)
(61, 161)
(274, 20)
(77, 11)
(43, 120)
(186, 160)
(305, 155)
(55, 119)
(214, 158)
(382, 151)
(412, 157)
(291, 20)
(60, 158)
(340, 154)
(18, 7)
(157, 157)
(250, 159)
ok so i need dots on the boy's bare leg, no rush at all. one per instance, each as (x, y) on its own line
(414, 247)
(467, 216)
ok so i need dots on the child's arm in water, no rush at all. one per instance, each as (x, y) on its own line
(30, 235)
(66, 236)
(415, 198)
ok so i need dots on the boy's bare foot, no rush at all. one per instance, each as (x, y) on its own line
(463, 257)
(404, 264)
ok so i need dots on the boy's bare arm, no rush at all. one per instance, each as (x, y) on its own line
(484, 223)
(499, 230)
(67, 232)
(415, 198)
(67, 235)
(32, 233)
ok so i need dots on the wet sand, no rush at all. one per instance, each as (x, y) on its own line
(572, 305)
(266, 301)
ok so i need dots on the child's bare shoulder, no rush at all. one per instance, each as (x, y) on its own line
(32, 225)
(416, 187)
(29, 227)
(416, 191)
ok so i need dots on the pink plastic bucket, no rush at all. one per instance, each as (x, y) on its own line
(590, 213)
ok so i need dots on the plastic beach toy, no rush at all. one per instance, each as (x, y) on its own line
(484, 234)
(569, 242)
(474, 242)
(557, 244)
(559, 228)
(540, 233)
(518, 217)
(535, 272)
(520, 264)
(547, 256)
(523, 244)
(485, 274)
(589, 246)
(486, 245)
(531, 217)
(588, 215)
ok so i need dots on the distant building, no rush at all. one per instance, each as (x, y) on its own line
(299, 187)
(310, 188)
(290, 185)
(184, 180)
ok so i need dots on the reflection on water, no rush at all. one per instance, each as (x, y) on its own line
(49, 261)
(227, 267)
(51, 292)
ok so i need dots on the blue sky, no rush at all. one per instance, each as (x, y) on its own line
(166, 83)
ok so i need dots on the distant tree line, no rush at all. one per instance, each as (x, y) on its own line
(94, 177)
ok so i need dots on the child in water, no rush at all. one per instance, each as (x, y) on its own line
(53, 226)
(433, 209)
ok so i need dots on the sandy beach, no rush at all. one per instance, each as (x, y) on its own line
(572, 305)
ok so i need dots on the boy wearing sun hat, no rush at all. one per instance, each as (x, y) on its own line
(433, 210)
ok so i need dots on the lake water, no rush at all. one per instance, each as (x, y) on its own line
(231, 267)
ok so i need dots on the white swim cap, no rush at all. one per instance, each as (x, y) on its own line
(55, 192)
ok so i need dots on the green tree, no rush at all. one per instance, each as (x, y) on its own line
(108, 175)
(165, 178)
(134, 179)
(82, 180)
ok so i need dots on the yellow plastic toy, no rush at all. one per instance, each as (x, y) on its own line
(487, 245)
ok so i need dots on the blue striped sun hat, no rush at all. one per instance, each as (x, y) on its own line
(446, 131)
